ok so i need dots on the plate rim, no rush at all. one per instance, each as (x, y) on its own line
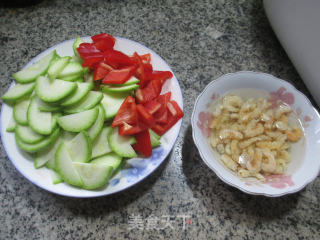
(97, 193)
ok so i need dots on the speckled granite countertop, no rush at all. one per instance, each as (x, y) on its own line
(200, 40)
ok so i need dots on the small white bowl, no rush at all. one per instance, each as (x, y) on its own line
(304, 166)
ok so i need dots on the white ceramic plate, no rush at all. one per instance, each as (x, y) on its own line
(304, 165)
(135, 170)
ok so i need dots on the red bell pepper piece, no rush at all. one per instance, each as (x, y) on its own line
(143, 144)
(127, 113)
(144, 120)
(146, 58)
(92, 61)
(103, 45)
(144, 116)
(174, 115)
(127, 129)
(174, 109)
(140, 72)
(88, 49)
(101, 71)
(150, 92)
(158, 129)
(161, 75)
(119, 76)
(117, 59)
(164, 98)
(131, 129)
(161, 116)
(157, 86)
(104, 36)
(152, 106)
(148, 69)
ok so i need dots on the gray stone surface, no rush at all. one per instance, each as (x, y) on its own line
(200, 40)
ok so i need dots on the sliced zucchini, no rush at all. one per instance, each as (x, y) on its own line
(47, 107)
(57, 66)
(46, 155)
(72, 78)
(80, 147)
(55, 117)
(86, 70)
(73, 68)
(65, 168)
(88, 77)
(111, 103)
(37, 69)
(40, 122)
(50, 164)
(18, 91)
(12, 124)
(80, 80)
(82, 90)
(154, 138)
(121, 145)
(78, 122)
(110, 159)
(132, 80)
(56, 58)
(27, 135)
(67, 136)
(93, 175)
(113, 89)
(96, 128)
(53, 91)
(56, 178)
(39, 145)
(75, 45)
(101, 144)
(20, 111)
(89, 101)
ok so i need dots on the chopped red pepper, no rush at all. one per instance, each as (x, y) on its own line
(92, 61)
(127, 113)
(119, 76)
(143, 144)
(174, 115)
(158, 129)
(174, 109)
(144, 116)
(103, 45)
(152, 106)
(88, 49)
(139, 95)
(140, 72)
(117, 59)
(146, 58)
(101, 71)
(161, 116)
(131, 129)
(150, 92)
(105, 37)
(161, 75)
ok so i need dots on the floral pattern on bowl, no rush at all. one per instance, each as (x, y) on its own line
(304, 166)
